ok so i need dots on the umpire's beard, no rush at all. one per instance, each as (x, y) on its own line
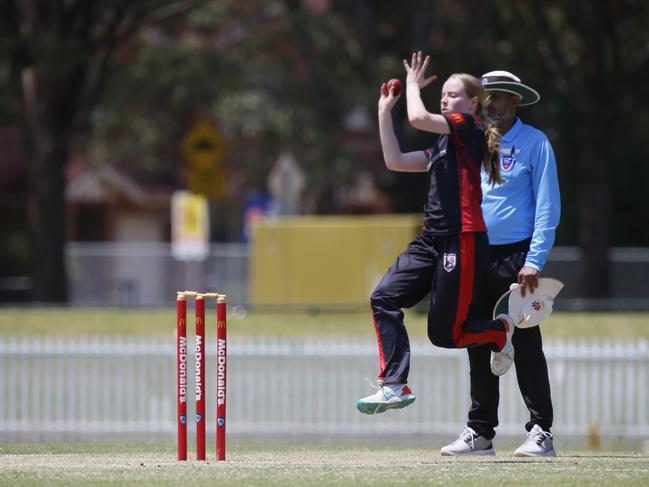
(502, 121)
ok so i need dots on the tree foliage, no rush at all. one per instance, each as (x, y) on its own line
(126, 80)
(58, 55)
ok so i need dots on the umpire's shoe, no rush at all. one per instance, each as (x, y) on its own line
(469, 443)
(538, 444)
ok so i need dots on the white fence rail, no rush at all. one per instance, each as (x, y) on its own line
(92, 388)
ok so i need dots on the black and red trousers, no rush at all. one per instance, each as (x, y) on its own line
(448, 267)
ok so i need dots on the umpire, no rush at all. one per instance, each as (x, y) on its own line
(521, 215)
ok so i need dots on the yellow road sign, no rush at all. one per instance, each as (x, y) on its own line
(203, 149)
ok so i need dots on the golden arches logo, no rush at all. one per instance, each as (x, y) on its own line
(181, 322)
(199, 320)
(220, 324)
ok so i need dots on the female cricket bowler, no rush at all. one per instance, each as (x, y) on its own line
(446, 259)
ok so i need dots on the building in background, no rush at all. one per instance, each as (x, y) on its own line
(104, 204)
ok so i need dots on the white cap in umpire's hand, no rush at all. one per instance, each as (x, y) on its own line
(534, 308)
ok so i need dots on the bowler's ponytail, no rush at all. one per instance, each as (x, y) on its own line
(491, 160)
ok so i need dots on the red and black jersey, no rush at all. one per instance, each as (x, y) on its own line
(454, 163)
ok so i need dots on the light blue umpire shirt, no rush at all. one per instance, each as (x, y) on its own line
(528, 203)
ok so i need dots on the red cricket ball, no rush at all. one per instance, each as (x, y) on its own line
(396, 84)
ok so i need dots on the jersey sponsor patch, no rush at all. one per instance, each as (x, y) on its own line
(432, 160)
(458, 118)
(449, 262)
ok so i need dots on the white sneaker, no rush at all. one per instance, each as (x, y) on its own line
(389, 396)
(503, 360)
(538, 444)
(469, 443)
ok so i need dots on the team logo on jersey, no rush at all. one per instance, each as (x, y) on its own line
(508, 158)
(507, 163)
(449, 262)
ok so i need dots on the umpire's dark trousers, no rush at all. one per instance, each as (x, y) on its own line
(504, 263)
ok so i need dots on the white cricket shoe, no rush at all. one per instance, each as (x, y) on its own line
(469, 443)
(503, 360)
(389, 396)
(538, 444)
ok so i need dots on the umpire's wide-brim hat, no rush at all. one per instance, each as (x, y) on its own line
(506, 81)
(535, 307)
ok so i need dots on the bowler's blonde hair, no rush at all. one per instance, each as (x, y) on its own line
(491, 161)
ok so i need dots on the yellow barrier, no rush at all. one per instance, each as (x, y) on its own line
(325, 260)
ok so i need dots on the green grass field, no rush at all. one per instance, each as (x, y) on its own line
(75, 464)
(70, 321)
(81, 465)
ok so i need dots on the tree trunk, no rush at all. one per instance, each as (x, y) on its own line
(594, 207)
(599, 123)
(46, 215)
(48, 117)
